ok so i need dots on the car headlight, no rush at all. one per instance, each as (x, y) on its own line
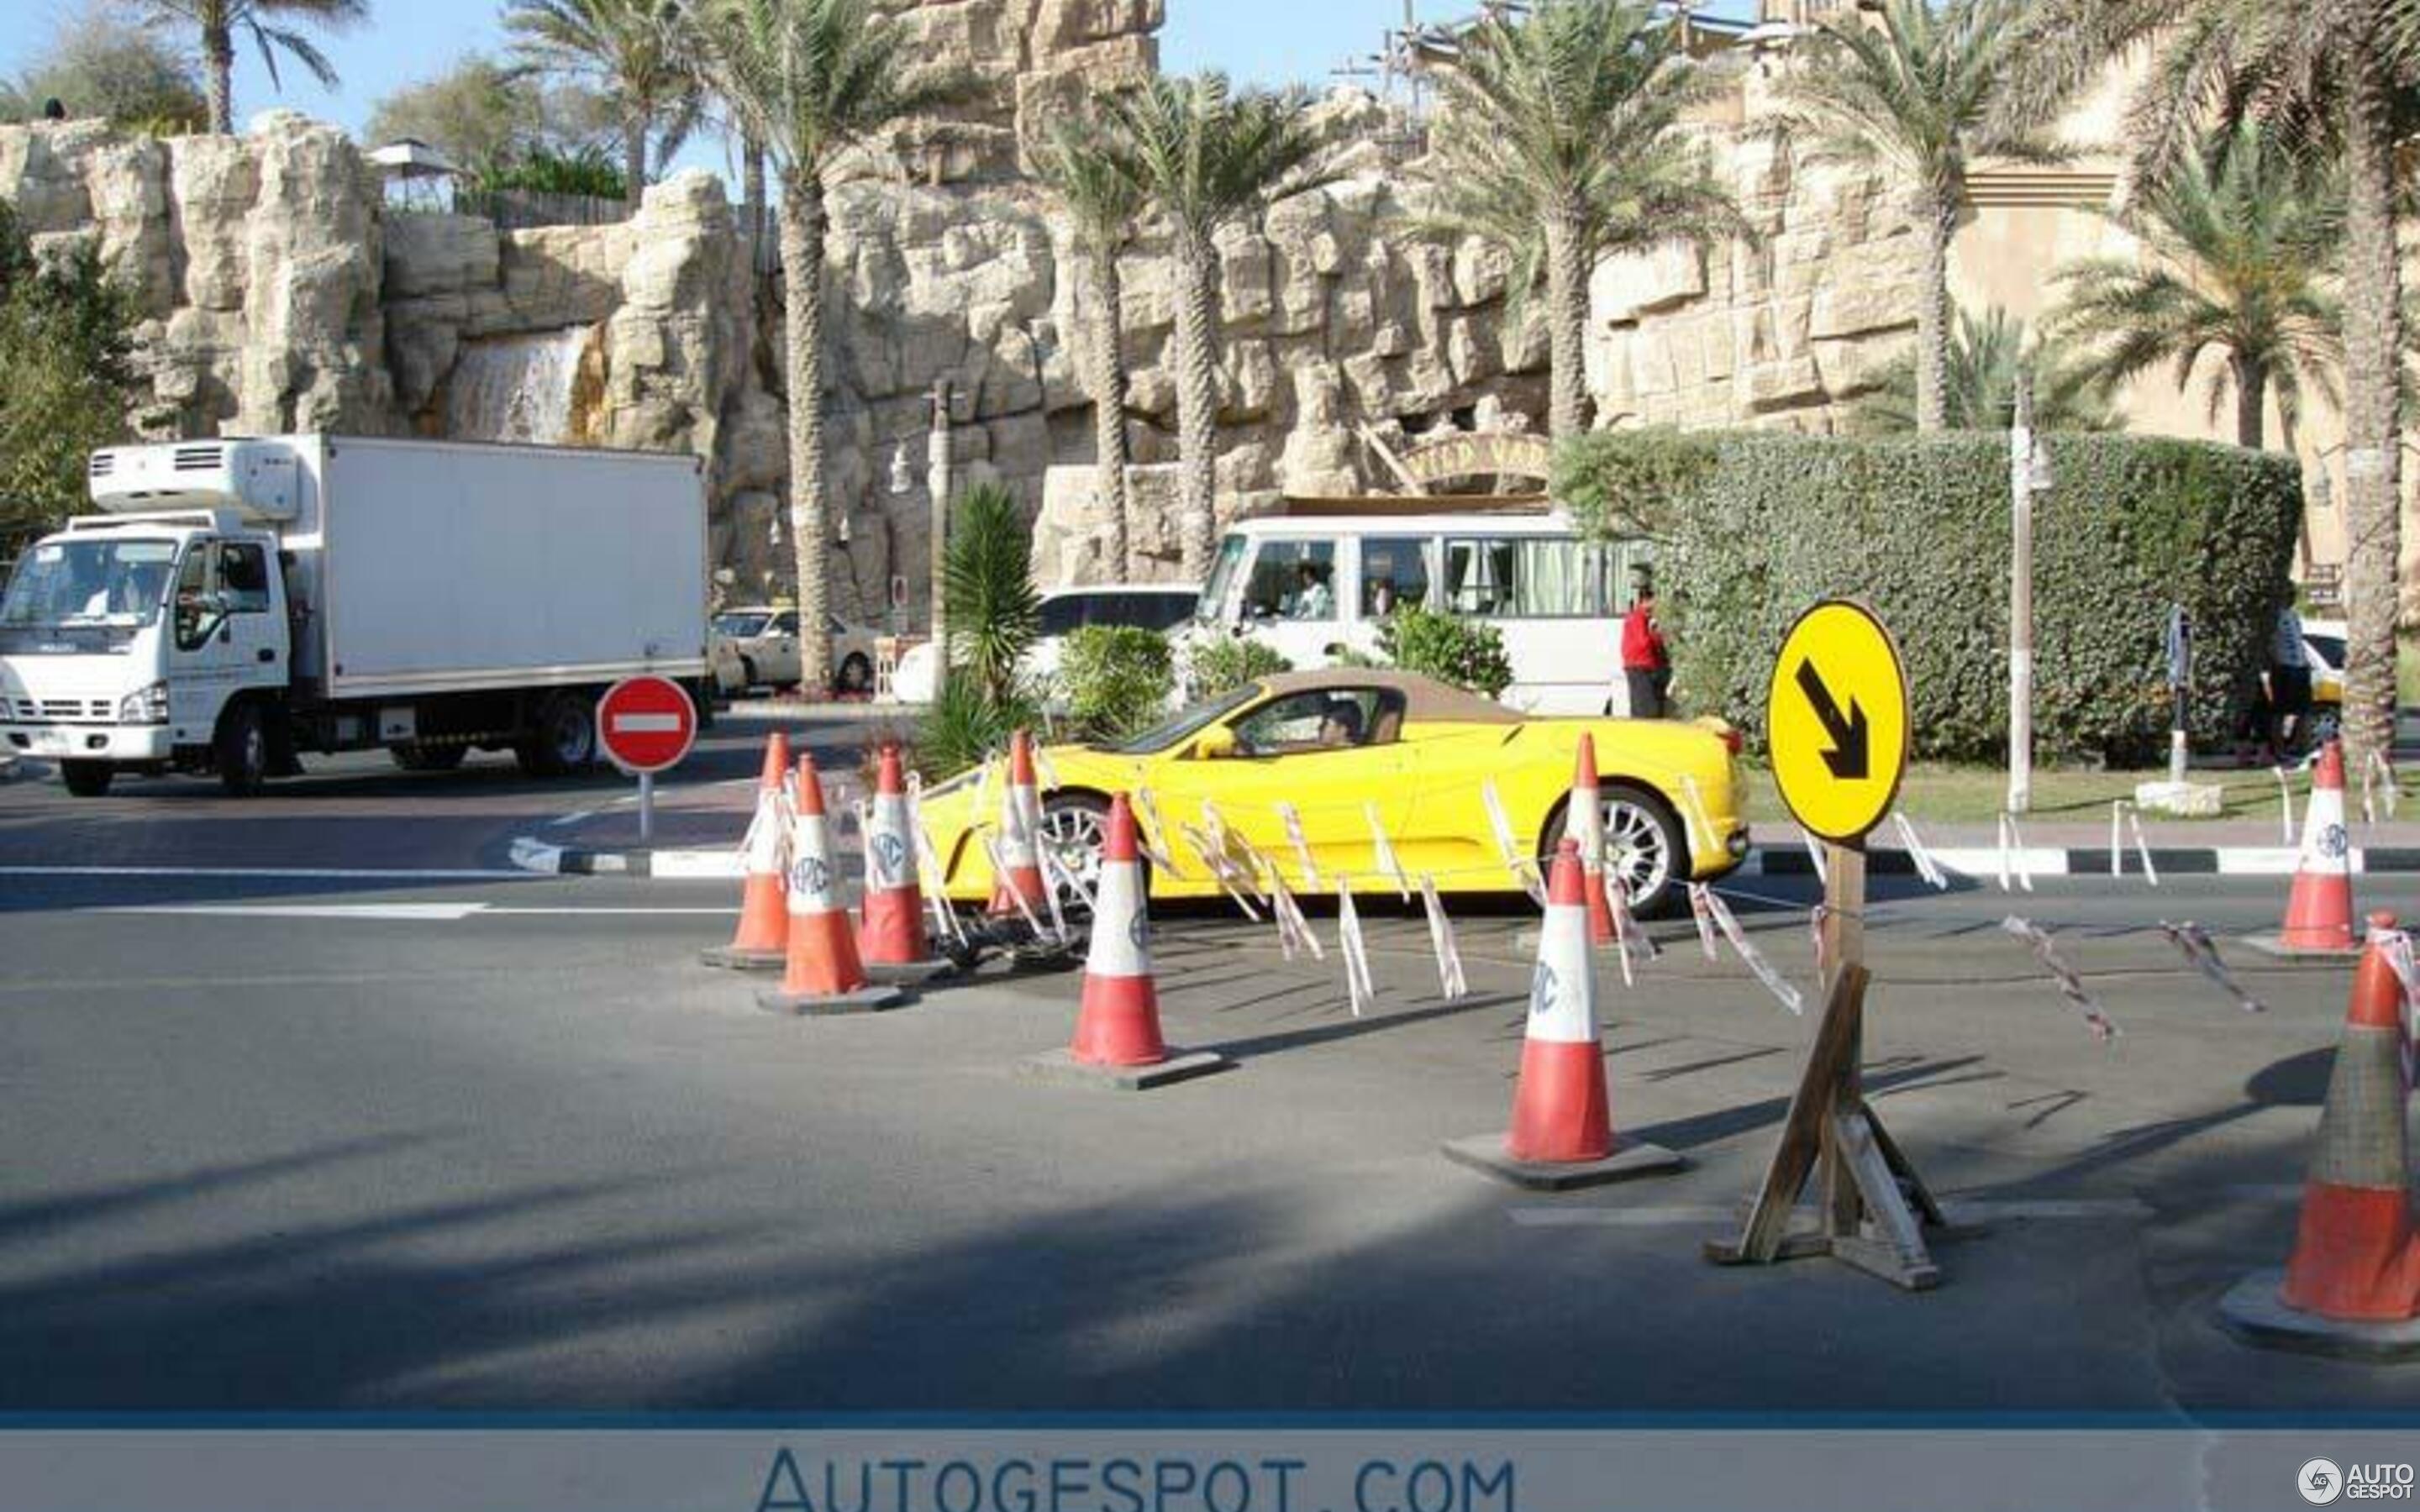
(149, 706)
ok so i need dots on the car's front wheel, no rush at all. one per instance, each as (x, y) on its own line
(1645, 844)
(1075, 829)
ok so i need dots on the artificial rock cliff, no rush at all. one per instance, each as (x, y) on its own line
(280, 293)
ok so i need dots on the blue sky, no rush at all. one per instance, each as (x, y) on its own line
(1266, 41)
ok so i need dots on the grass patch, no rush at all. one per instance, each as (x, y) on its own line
(1936, 794)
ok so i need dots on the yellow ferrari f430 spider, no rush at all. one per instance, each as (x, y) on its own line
(1349, 753)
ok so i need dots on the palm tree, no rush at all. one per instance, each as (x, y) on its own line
(2328, 70)
(221, 20)
(1083, 164)
(633, 50)
(2241, 235)
(1561, 141)
(1986, 356)
(809, 80)
(1206, 154)
(1920, 97)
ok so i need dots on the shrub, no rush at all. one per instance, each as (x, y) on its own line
(964, 724)
(1116, 678)
(1224, 663)
(1755, 528)
(1467, 652)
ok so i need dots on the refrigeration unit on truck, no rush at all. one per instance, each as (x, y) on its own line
(237, 602)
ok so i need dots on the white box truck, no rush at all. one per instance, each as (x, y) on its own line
(237, 602)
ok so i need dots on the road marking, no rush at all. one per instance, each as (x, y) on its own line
(404, 913)
(580, 816)
(265, 873)
(2132, 1210)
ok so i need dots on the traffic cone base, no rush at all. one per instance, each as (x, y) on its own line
(2254, 1311)
(1180, 1066)
(1562, 1133)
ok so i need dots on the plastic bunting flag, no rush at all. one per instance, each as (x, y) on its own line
(1383, 850)
(2377, 778)
(1815, 854)
(1520, 865)
(1919, 853)
(2122, 811)
(1221, 869)
(1292, 925)
(2012, 848)
(1695, 819)
(982, 785)
(1633, 942)
(2195, 945)
(1781, 987)
(1158, 841)
(1815, 917)
(1292, 818)
(1450, 981)
(1359, 985)
(2397, 950)
(2285, 806)
(2071, 986)
(1698, 893)
(1055, 876)
(1067, 877)
(1043, 770)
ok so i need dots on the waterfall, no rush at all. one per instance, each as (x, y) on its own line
(515, 388)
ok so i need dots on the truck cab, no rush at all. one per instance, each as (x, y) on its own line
(133, 639)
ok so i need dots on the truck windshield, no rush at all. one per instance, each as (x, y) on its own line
(111, 581)
(1223, 578)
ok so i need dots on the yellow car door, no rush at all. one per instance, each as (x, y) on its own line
(1332, 754)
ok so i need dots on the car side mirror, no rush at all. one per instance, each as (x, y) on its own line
(1217, 744)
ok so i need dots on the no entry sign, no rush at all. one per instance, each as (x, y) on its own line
(647, 724)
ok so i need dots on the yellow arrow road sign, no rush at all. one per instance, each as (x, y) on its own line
(1837, 721)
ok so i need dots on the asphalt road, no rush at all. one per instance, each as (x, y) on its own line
(280, 1138)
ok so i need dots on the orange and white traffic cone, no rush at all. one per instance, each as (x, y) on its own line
(1118, 1040)
(823, 974)
(892, 941)
(762, 941)
(1562, 1127)
(2318, 911)
(1586, 825)
(1021, 838)
(2352, 1284)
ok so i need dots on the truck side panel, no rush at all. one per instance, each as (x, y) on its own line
(457, 567)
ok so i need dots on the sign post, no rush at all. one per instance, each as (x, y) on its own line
(1838, 717)
(647, 725)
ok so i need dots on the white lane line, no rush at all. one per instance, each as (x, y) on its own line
(265, 873)
(402, 913)
(2132, 1210)
(578, 817)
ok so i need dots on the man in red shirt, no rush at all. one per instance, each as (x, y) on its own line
(1645, 664)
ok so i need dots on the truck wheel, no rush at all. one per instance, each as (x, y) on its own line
(419, 758)
(562, 738)
(243, 750)
(86, 779)
(856, 675)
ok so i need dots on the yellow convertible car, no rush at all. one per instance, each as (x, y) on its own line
(1333, 750)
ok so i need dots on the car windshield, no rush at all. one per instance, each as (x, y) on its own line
(740, 626)
(2330, 648)
(1223, 578)
(114, 582)
(1184, 726)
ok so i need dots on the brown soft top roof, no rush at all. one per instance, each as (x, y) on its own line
(1425, 699)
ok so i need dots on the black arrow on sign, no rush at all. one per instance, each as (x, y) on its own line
(1850, 752)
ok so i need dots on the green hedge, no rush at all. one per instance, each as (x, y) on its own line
(1117, 679)
(1751, 529)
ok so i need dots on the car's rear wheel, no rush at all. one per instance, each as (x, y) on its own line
(1644, 845)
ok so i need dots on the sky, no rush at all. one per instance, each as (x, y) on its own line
(1260, 41)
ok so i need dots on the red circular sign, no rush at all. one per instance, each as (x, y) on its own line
(647, 724)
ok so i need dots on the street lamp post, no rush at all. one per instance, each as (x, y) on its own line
(936, 482)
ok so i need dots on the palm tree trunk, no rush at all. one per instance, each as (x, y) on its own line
(1109, 410)
(2373, 463)
(803, 228)
(1934, 223)
(751, 197)
(634, 158)
(1567, 296)
(218, 73)
(1197, 402)
(2251, 402)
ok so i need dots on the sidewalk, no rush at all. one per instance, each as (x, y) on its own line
(2067, 846)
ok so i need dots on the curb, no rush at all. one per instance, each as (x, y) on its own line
(722, 864)
(2086, 861)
